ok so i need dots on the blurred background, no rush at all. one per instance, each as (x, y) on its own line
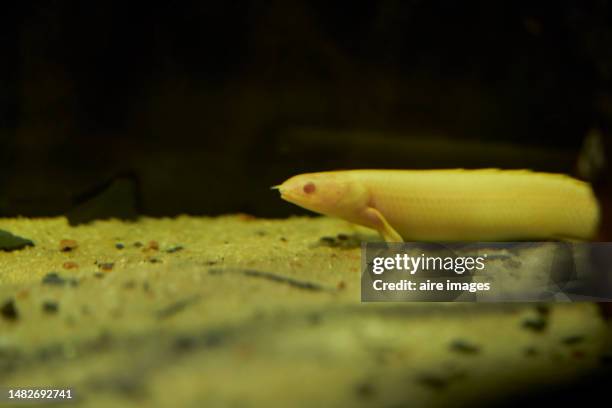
(117, 109)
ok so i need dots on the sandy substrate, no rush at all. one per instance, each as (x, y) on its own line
(237, 311)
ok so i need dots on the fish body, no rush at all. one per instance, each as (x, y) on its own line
(452, 205)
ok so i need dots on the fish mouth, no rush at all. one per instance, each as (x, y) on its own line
(280, 189)
(283, 192)
(288, 194)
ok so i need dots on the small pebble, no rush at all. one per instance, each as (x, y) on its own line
(53, 278)
(174, 249)
(283, 239)
(536, 324)
(70, 265)
(343, 241)
(67, 245)
(183, 343)
(9, 311)
(50, 307)
(328, 241)
(137, 244)
(119, 246)
(571, 340)
(107, 266)
(152, 246)
(462, 346)
(154, 260)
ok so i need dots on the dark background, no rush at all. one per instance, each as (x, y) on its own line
(120, 108)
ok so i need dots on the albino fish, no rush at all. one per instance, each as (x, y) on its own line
(452, 205)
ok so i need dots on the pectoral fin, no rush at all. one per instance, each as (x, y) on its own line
(380, 224)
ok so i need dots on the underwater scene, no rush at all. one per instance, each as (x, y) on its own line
(305, 204)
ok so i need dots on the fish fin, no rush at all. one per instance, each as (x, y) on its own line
(380, 224)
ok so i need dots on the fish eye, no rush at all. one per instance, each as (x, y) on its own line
(309, 187)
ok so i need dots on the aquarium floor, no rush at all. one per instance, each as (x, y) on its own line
(239, 311)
